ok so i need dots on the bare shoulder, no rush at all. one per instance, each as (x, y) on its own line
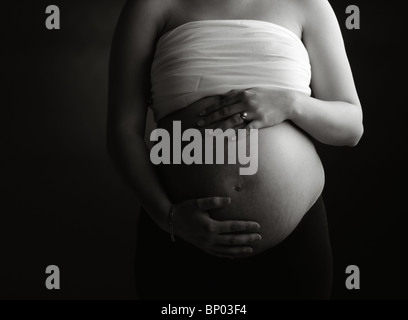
(139, 26)
(145, 14)
(150, 8)
(311, 5)
(313, 13)
(300, 13)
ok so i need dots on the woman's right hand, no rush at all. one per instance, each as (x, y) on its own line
(227, 239)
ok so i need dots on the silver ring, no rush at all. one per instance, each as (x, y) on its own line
(244, 115)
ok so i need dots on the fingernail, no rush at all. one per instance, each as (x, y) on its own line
(248, 250)
(257, 238)
(200, 123)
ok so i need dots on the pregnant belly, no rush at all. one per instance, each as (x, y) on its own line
(288, 181)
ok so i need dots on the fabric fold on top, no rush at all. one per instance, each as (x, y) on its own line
(210, 57)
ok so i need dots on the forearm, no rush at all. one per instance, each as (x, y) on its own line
(131, 155)
(335, 123)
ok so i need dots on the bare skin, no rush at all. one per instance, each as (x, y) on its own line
(333, 116)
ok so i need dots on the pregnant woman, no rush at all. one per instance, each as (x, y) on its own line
(231, 64)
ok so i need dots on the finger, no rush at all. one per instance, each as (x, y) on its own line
(212, 203)
(255, 124)
(209, 106)
(235, 226)
(235, 122)
(235, 97)
(222, 113)
(207, 102)
(230, 93)
(238, 239)
(229, 123)
(221, 129)
(223, 101)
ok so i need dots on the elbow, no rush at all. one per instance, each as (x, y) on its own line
(356, 136)
(357, 131)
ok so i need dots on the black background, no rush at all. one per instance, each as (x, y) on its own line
(64, 204)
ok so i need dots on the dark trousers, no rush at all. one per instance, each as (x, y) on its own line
(300, 267)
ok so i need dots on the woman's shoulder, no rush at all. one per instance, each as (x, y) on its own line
(312, 11)
(310, 4)
(149, 8)
(143, 19)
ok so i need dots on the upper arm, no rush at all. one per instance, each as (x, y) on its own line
(332, 79)
(132, 52)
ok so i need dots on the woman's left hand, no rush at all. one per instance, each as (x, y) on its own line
(252, 108)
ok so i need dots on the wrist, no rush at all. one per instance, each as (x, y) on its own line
(295, 105)
(160, 215)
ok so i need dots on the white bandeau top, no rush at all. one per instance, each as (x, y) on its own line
(211, 57)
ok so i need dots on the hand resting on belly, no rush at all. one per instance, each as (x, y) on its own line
(289, 179)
